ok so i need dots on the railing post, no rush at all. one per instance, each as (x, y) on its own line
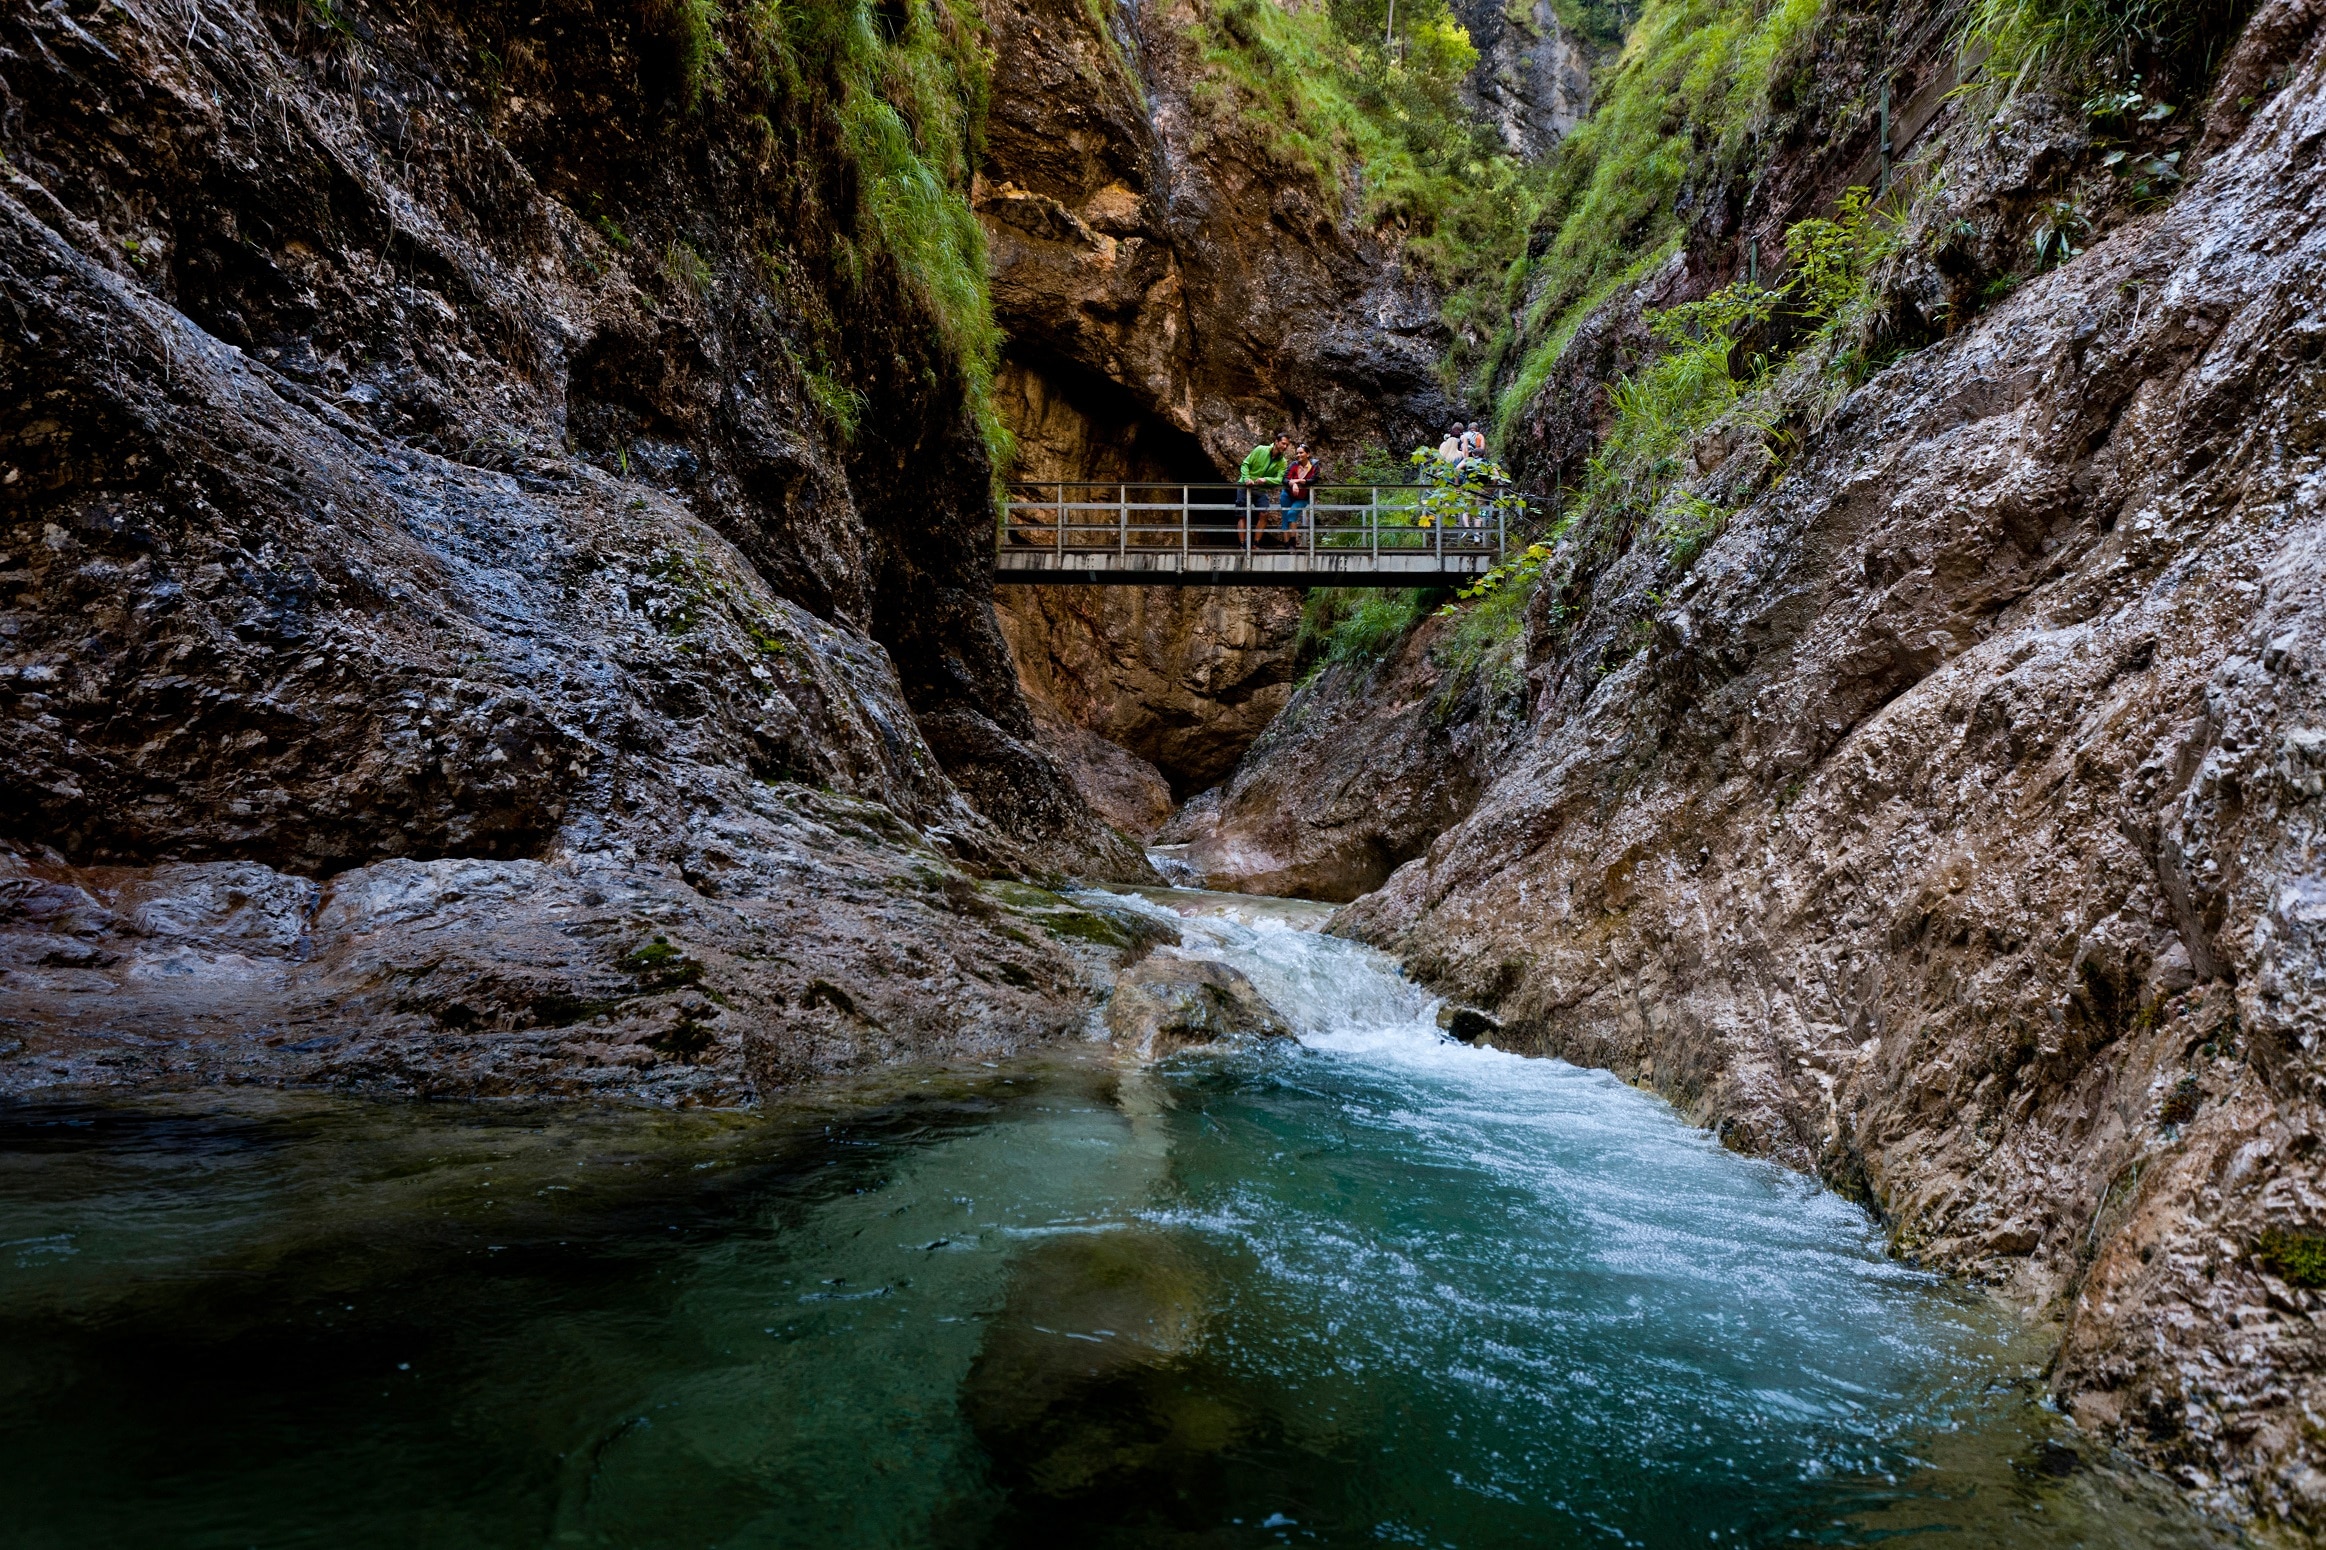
(1062, 522)
(1185, 496)
(1122, 520)
(1373, 524)
(1247, 518)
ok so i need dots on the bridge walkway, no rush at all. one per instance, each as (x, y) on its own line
(1351, 535)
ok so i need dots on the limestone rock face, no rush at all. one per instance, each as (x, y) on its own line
(410, 474)
(802, 933)
(1182, 677)
(1365, 766)
(1155, 261)
(1167, 1002)
(1122, 788)
(1533, 81)
(1955, 824)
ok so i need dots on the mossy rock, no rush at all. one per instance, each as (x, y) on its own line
(660, 965)
(1024, 897)
(1075, 925)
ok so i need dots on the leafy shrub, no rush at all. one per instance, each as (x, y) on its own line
(1832, 258)
(1472, 495)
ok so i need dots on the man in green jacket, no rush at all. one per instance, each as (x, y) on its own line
(1261, 477)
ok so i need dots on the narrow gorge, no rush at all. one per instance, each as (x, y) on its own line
(500, 508)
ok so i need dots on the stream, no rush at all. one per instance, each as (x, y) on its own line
(1369, 1288)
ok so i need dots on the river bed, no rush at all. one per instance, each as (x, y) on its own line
(1369, 1288)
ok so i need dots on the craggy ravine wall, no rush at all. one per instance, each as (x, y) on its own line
(1951, 818)
(1176, 287)
(494, 515)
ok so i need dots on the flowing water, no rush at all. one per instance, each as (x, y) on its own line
(1374, 1288)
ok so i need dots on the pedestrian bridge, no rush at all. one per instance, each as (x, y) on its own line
(1195, 535)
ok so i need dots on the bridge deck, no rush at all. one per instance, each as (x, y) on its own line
(1202, 535)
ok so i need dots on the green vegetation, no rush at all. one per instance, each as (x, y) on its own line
(660, 966)
(1661, 407)
(903, 88)
(1486, 631)
(2297, 1258)
(1832, 260)
(1355, 624)
(910, 97)
(2088, 42)
(692, 26)
(1329, 96)
(1675, 109)
(841, 404)
(686, 268)
(1664, 405)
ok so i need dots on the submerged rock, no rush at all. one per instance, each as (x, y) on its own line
(1168, 1002)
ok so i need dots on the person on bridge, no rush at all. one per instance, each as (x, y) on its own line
(1261, 477)
(1300, 477)
(1473, 443)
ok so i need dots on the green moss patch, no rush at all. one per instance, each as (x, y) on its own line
(2297, 1258)
(660, 966)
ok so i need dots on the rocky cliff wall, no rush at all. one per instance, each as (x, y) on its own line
(495, 524)
(1951, 824)
(1176, 288)
(1369, 761)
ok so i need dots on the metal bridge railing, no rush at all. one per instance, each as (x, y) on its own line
(1341, 521)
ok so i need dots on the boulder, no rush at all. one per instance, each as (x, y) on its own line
(1167, 1002)
(1467, 1024)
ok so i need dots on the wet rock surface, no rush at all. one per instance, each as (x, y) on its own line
(803, 933)
(1952, 826)
(1167, 1002)
(411, 479)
